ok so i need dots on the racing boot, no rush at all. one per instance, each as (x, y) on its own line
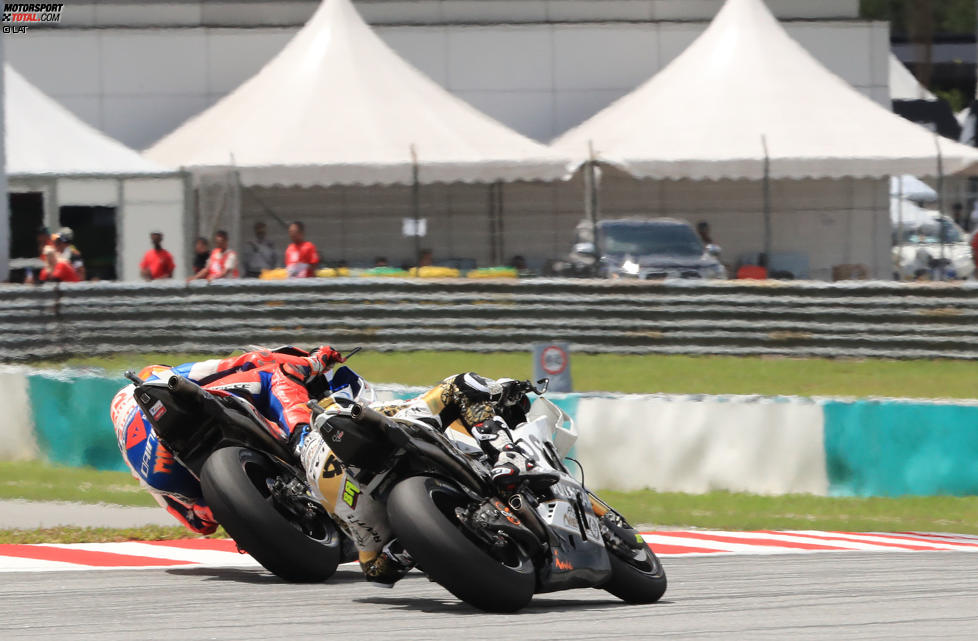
(311, 449)
(387, 567)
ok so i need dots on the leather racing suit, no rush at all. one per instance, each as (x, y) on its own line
(467, 403)
(275, 382)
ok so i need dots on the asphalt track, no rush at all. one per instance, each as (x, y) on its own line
(845, 595)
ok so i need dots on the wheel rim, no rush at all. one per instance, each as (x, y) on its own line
(263, 475)
(511, 556)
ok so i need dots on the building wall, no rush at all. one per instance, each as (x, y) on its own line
(138, 84)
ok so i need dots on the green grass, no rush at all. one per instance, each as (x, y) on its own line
(37, 481)
(725, 510)
(653, 373)
(100, 534)
(40, 481)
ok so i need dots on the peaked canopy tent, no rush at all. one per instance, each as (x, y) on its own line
(76, 176)
(745, 102)
(338, 107)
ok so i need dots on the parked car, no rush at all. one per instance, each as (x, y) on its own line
(917, 248)
(643, 248)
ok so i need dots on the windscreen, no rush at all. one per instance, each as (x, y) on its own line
(928, 232)
(671, 239)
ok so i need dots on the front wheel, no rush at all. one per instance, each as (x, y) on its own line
(637, 578)
(237, 484)
(422, 515)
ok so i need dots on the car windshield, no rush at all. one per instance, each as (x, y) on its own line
(673, 239)
(927, 232)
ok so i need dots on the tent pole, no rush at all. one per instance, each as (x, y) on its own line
(940, 202)
(591, 189)
(492, 223)
(767, 205)
(416, 206)
(500, 228)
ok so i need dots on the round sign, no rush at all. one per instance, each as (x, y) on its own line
(553, 360)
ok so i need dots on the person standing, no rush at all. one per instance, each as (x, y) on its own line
(157, 262)
(56, 269)
(301, 257)
(223, 261)
(68, 252)
(259, 254)
(202, 251)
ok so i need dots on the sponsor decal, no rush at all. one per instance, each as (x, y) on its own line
(560, 564)
(164, 461)
(337, 436)
(351, 493)
(157, 410)
(332, 468)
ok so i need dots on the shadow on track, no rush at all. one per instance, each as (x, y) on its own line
(450, 605)
(259, 575)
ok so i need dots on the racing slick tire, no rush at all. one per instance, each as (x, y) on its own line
(638, 579)
(236, 485)
(422, 515)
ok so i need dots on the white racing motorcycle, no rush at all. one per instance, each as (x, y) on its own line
(494, 552)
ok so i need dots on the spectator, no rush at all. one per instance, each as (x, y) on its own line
(301, 257)
(68, 252)
(958, 215)
(223, 262)
(703, 229)
(202, 251)
(43, 240)
(426, 258)
(259, 254)
(56, 269)
(157, 262)
(380, 261)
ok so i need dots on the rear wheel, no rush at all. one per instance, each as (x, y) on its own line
(422, 516)
(636, 578)
(243, 489)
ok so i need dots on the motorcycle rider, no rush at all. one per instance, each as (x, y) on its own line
(468, 403)
(278, 383)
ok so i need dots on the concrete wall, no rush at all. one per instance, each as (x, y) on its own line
(138, 84)
(669, 443)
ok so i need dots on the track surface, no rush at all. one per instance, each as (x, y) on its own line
(843, 595)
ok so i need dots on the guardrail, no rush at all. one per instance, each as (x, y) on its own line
(862, 319)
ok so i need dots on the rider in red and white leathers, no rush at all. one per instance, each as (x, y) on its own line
(275, 382)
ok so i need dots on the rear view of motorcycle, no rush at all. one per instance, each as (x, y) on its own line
(250, 479)
(493, 551)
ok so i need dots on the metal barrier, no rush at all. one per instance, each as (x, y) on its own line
(851, 319)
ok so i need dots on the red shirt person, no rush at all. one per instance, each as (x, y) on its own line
(57, 270)
(157, 262)
(301, 256)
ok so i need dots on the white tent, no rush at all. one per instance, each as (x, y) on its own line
(913, 189)
(44, 138)
(745, 91)
(337, 106)
(903, 84)
(51, 152)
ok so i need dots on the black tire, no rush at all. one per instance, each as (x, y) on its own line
(234, 484)
(639, 579)
(421, 512)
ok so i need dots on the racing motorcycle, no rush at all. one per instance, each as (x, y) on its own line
(491, 551)
(249, 477)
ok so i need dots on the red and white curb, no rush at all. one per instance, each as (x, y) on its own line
(223, 552)
(712, 542)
